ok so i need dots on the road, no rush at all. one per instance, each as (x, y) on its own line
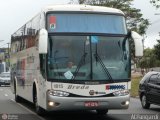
(25, 111)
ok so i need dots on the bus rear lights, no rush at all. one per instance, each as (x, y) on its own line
(58, 93)
(126, 103)
(121, 93)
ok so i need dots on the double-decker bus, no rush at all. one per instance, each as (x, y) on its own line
(74, 57)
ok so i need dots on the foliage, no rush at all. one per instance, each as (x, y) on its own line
(149, 59)
(157, 49)
(155, 3)
(133, 16)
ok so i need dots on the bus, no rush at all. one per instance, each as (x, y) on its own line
(74, 57)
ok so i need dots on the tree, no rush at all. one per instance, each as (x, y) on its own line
(133, 16)
(157, 49)
(149, 59)
(155, 3)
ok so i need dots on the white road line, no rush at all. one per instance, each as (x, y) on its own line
(27, 109)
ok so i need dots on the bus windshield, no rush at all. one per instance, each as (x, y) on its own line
(88, 58)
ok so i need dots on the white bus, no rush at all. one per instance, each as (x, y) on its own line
(74, 57)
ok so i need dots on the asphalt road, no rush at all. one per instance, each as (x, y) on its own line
(25, 111)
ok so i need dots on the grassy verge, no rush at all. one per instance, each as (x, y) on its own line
(135, 86)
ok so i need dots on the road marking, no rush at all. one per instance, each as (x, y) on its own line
(27, 109)
(6, 95)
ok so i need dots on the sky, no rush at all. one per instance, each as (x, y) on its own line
(149, 12)
(15, 13)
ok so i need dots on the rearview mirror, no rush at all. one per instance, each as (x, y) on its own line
(138, 44)
(43, 41)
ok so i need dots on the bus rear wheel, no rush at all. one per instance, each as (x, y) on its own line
(102, 112)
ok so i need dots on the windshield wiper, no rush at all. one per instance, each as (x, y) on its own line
(79, 65)
(97, 57)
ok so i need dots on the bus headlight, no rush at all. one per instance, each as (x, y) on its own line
(58, 93)
(121, 93)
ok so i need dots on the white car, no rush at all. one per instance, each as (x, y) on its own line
(5, 78)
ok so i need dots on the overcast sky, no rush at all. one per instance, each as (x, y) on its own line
(148, 12)
(15, 13)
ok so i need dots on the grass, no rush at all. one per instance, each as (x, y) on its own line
(135, 86)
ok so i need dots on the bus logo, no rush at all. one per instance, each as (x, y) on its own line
(115, 87)
(52, 22)
(91, 92)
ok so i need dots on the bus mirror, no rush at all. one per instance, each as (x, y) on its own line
(43, 38)
(138, 44)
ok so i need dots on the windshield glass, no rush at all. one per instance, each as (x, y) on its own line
(75, 58)
(112, 54)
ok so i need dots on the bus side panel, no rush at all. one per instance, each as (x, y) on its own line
(24, 57)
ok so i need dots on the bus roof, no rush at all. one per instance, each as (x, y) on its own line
(77, 8)
(80, 8)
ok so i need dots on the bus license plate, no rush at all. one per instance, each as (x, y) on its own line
(91, 104)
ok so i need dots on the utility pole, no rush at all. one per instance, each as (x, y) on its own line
(8, 54)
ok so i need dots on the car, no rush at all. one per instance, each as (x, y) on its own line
(149, 89)
(5, 78)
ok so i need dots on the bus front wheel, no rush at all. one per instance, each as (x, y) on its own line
(102, 112)
(17, 98)
(38, 109)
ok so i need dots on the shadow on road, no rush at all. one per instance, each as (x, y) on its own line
(69, 115)
(76, 115)
(84, 115)
(155, 109)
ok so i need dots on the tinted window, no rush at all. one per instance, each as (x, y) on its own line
(158, 80)
(86, 23)
(146, 77)
(66, 55)
(153, 79)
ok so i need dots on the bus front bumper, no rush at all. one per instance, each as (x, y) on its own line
(74, 103)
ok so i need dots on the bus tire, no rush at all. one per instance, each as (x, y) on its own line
(16, 97)
(102, 112)
(40, 111)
